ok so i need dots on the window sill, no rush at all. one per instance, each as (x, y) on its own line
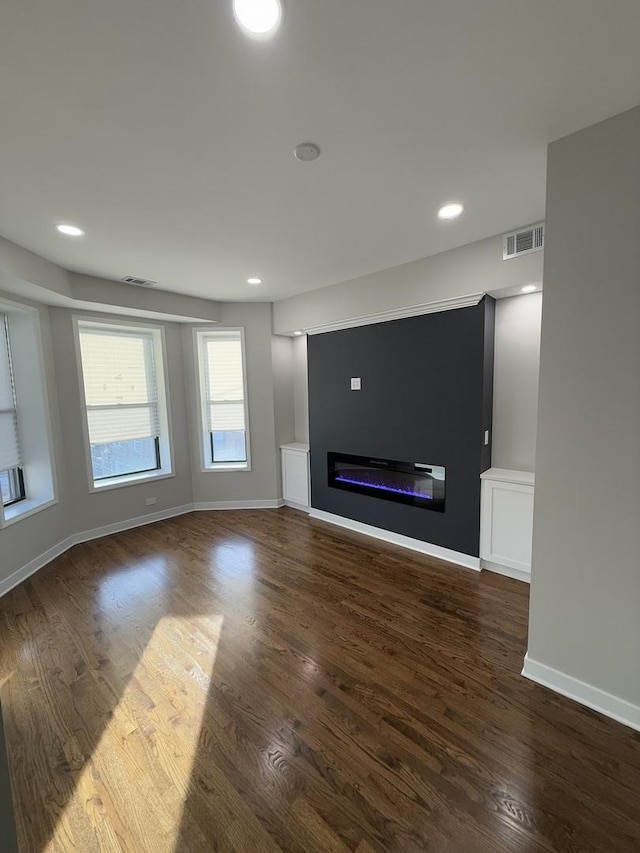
(130, 480)
(220, 467)
(25, 509)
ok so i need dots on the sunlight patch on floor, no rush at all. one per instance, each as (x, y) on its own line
(129, 794)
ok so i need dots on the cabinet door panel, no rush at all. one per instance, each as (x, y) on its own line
(295, 477)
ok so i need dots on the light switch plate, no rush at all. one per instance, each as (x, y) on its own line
(486, 437)
(356, 383)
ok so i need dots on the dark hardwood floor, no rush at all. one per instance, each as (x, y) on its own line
(255, 681)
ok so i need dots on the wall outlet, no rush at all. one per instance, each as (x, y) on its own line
(356, 383)
(151, 501)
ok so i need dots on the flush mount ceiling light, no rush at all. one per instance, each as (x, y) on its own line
(307, 151)
(451, 210)
(254, 282)
(70, 230)
(258, 17)
(529, 288)
(298, 333)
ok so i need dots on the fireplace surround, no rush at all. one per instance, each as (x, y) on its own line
(426, 396)
(416, 483)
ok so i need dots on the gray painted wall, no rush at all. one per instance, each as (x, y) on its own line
(515, 385)
(475, 268)
(585, 593)
(300, 389)
(95, 509)
(262, 481)
(23, 272)
(283, 398)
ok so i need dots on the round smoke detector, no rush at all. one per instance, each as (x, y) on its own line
(307, 151)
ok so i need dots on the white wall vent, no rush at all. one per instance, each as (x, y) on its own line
(523, 242)
(139, 282)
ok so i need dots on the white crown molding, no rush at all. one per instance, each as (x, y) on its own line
(586, 694)
(464, 560)
(208, 506)
(398, 313)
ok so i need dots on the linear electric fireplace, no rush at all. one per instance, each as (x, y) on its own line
(415, 483)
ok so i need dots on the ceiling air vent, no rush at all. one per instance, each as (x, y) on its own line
(139, 282)
(523, 242)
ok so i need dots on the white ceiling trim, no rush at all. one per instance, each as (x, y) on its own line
(399, 313)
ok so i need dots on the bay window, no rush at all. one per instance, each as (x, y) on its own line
(27, 476)
(125, 402)
(223, 399)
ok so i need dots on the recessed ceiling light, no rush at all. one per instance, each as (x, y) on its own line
(70, 230)
(529, 288)
(451, 211)
(254, 282)
(258, 17)
(298, 333)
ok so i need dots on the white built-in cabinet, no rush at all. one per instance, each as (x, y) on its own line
(506, 522)
(295, 475)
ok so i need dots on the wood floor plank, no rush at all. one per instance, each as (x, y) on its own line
(250, 682)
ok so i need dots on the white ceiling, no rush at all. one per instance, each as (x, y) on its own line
(167, 134)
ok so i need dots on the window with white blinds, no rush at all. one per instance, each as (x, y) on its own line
(223, 395)
(121, 397)
(11, 480)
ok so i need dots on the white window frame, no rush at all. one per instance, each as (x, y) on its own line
(206, 463)
(166, 469)
(33, 414)
(15, 472)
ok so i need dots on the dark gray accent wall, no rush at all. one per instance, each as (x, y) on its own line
(426, 396)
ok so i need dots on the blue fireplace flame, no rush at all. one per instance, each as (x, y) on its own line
(384, 487)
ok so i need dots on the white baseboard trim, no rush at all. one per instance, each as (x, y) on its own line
(50, 554)
(35, 565)
(130, 523)
(456, 557)
(507, 571)
(586, 694)
(118, 527)
(216, 505)
(302, 507)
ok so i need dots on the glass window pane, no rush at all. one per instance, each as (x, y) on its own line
(229, 446)
(124, 457)
(11, 486)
